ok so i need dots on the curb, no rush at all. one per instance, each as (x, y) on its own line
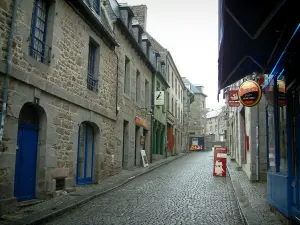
(238, 202)
(63, 208)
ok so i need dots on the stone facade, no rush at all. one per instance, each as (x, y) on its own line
(197, 120)
(216, 123)
(241, 124)
(56, 90)
(134, 93)
(175, 103)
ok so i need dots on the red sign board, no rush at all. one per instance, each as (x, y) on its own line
(233, 98)
(220, 161)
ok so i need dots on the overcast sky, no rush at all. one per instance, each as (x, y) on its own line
(189, 30)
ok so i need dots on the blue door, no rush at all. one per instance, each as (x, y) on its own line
(85, 155)
(26, 156)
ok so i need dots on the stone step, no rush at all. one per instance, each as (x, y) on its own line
(28, 203)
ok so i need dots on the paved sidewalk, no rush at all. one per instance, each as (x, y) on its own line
(252, 198)
(42, 212)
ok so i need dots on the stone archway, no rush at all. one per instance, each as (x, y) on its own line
(87, 139)
(30, 145)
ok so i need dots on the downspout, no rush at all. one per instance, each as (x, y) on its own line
(9, 69)
(117, 86)
(152, 115)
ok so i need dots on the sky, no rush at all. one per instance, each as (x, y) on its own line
(189, 30)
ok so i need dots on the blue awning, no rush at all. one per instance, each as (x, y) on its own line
(252, 36)
(279, 66)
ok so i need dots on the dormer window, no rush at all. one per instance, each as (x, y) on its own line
(146, 45)
(163, 68)
(137, 30)
(96, 6)
(127, 14)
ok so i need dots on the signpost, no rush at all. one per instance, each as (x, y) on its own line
(159, 98)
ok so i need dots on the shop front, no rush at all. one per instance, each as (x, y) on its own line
(283, 131)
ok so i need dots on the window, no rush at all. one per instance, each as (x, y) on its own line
(181, 96)
(168, 71)
(181, 116)
(175, 86)
(127, 76)
(96, 6)
(138, 86)
(172, 106)
(157, 86)
(92, 80)
(147, 92)
(168, 99)
(172, 80)
(175, 109)
(163, 69)
(37, 47)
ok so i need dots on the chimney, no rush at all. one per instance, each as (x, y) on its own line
(140, 13)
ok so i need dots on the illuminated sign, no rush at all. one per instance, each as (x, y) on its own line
(233, 98)
(249, 93)
(281, 93)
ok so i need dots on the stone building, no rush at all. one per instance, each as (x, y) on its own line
(216, 123)
(160, 86)
(60, 76)
(197, 120)
(188, 99)
(175, 106)
(242, 138)
(135, 80)
(174, 94)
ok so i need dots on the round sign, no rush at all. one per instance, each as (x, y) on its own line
(249, 93)
(281, 93)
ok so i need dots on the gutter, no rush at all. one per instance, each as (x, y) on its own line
(8, 73)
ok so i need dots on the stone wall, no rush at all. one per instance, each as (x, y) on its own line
(129, 108)
(197, 116)
(64, 100)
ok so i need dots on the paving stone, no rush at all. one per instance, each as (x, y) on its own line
(181, 192)
(252, 198)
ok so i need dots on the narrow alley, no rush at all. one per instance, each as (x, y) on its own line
(181, 192)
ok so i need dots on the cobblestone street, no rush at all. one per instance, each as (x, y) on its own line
(182, 192)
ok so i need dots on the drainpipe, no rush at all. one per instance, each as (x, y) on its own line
(152, 114)
(9, 68)
(117, 87)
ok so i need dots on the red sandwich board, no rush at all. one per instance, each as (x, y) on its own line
(220, 161)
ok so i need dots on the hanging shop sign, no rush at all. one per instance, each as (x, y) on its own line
(141, 122)
(281, 93)
(249, 93)
(233, 98)
(159, 98)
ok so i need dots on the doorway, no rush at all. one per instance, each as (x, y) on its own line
(26, 155)
(85, 156)
(137, 144)
(125, 143)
